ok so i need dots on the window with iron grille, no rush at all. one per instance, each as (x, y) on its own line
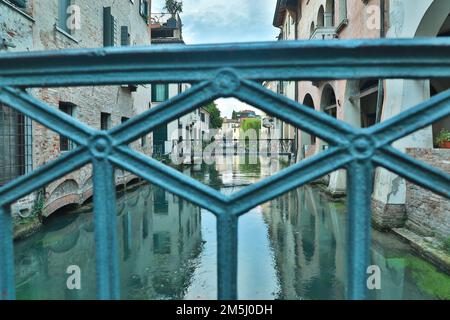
(15, 144)
(105, 121)
(66, 144)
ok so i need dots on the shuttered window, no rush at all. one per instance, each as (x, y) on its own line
(65, 144)
(63, 15)
(109, 28)
(124, 36)
(160, 92)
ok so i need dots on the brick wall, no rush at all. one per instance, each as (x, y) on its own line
(34, 28)
(427, 213)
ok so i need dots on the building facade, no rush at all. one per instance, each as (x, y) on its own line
(367, 102)
(167, 30)
(31, 25)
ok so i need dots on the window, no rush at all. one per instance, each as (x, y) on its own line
(143, 8)
(202, 117)
(109, 28)
(161, 242)
(63, 15)
(64, 143)
(160, 202)
(125, 39)
(343, 9)
(105, 121)
(160, 92)
(15, 144)
(124, 119)
(19, 3)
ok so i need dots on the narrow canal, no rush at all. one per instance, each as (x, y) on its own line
(291, 248)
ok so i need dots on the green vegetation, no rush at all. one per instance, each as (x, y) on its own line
(251, 123)
(443, 137)
(447, 245)
(173, 7)
(215, 120)
(428, 278)
(38, 204)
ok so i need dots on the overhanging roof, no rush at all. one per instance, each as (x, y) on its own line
(280, 10)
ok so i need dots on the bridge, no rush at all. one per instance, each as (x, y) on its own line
(234, 147)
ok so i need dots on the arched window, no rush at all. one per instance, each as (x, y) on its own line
(342, 9)
(329, 13)
(328, 102)
(308, 102)
(321, 17)
(312, 28)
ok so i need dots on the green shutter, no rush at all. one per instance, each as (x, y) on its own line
(124, 36)
(20, 3)
(108, 28)
(166, 93)
(62, 14)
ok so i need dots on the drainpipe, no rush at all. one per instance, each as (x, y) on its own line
(380, 82)
(296, 135)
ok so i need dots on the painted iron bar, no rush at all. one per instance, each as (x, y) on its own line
(359, 177)
(415, 171)
(288, 179)
(53, 170)
(284, 60)
(193, 98)
(170, 179)
(227, 251)
(7, 284)
(107, 261)
(316, 123)
(412, 120)
(50, 117)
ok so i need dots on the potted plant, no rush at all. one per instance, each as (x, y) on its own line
(443, 139)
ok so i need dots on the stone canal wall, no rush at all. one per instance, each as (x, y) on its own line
(427, 213)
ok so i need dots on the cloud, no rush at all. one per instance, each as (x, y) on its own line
(219, 21)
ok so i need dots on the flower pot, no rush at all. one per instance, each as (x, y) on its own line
(445, 145)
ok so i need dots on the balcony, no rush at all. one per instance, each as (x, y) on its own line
(324, 33)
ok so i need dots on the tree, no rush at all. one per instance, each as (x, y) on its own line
(215, 120)
(251, 124)
(173, 7)
(234, 115)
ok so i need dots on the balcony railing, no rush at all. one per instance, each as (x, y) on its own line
(324, 33)
(235, 70)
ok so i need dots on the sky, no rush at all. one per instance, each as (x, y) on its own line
(222, 21)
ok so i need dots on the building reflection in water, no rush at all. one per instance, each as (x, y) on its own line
(159, 239)
(293, 247)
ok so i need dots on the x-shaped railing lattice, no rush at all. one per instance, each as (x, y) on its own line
(225, 71)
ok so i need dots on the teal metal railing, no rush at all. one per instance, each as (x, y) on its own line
(215, 71)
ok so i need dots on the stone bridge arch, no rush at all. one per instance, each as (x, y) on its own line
(64, 194)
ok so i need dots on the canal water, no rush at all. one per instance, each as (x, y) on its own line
(293, 247)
